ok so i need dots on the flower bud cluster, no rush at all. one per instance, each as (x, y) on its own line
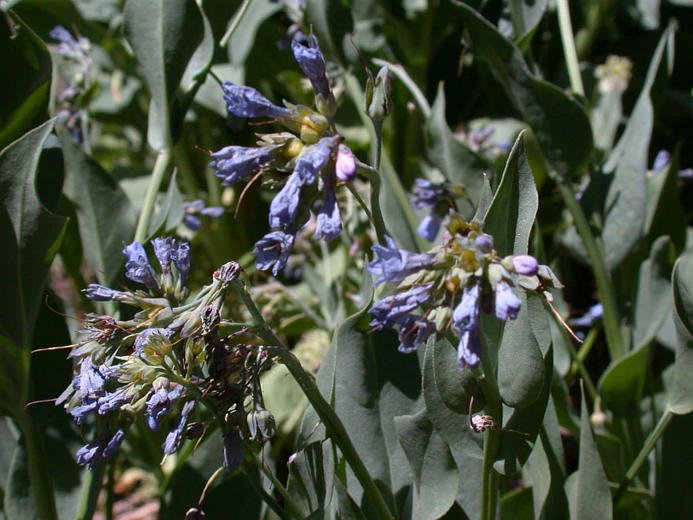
(165, 361)
(439, 199)
(310, 158)
(449, 287)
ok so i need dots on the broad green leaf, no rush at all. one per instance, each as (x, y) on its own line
(311, 479)
(243, 38)
(559, 123)
(456, 387)
(164, 35)
(682, 282)
(517, 504)
(587, 488)
(664, 213)
(105, 216)
(621, 385)
(31, 234)
(525, 16)
(455, 160)
(606, 118)
(680, 399)
(436, 476)
(26, 60)
(626, 198)
(674, 487)
(511, 215)
(400, 219)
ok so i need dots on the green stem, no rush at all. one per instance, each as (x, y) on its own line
(601, 275)
(494, 408)
(234, 24)
(333, 425)
(109, 489)
(399, 71)
(289, 502)
(569, 51)
(578, 365)
(376, 217)
(41, 484)
(91, 486)
(160, 167)
(256, 484)
(644, 452)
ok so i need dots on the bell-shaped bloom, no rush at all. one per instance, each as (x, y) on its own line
(466, 315)
(414, 333)
(137, 266)
(272, 251)
(247, 102)
(329, 220)
(99, 293)
(395, 309)
(174, 437)
(160, 402)
(469, 350)
(285, 203)
(484, 243)
(181, 259)
(312, 64)
(394, 264)
(429, 227)
(164, 250)
(311, 163)
(105, 445)
(507, 302)
(427, 194)
(235, 163)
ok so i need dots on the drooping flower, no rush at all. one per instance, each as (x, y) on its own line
(507, 303)
(161, 401)
(432, 196)
(174, 437)
(429, 227)
(396, 309)
(138, 268)
(285, 203)
(315, 159)
(272, 251)
(466, 315)
(164, 251)
(181, 259)
(235, 163)
(312, 64)
(394, 264)
(329, 220)
(105, 445)
(469, 349)
(414, 332)
(243, 101)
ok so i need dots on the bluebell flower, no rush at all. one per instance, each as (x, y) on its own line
(99, 293)
(113, 445)
(112, 401)
(174, 437)
(233, 450)
(525, 264)
(662, 160)
(465, 317)
(394, 264)
(315, 159)
(105, 445)
(469, 349)
(69, 46)
(272, 251)
(244, 101)
(507, 303)
(145, 337)
(181, 259)
(138, 268)
(92, 378)
(429, 227)
(345, 164)
(395, 309)
(164, 251)
(160, 402)
(427, 195)
(329, 221)
(414, 332)
(312, 64)
(588, 319)
(285, 203)
(235, 163)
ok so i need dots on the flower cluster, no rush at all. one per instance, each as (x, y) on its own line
(77, 51)
(165, 361)
(309, 158)
(439, 199)
(452, 285)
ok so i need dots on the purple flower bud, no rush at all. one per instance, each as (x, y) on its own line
(329, 221)
(469, 350)
(181, 259)
(484, 243)
(138, 268)
(112, 401)
(466, 315)
(315, 159)
(248, 102)
(272, 251)
(662, 160)
(174, 437)
(212, 211)
(113, 445)
(99, 293)
(312, 64)
(507, 303)
(105, 445)
(429, 227)
(164, 250)
(525, 264)
(345, 166)
(160, 403)
(233, 450)
(285, 203)
(394, 264)
(234, 163)
(192, 222)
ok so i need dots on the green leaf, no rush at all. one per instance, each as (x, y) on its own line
(26, 60)
(621, 385)
(674, 487)
(511, 215)
(525, 16)
(626, 197)
(105, 216)
(331, 22)
(682, 282)
(164, 35)
(31, 234)
(243, 38)
(170, 214)
(436, 476)
(559, 122)
(456, 387)
(664, 212)
(456, 161)
(587, 488)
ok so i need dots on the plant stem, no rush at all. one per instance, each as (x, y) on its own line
(569, 51)
(160, 167)
(644, 452)
(234, 24)
(333, 425)
(494, 408)
(109, 489)
(41, 484)
(601, 275)
(91, 485)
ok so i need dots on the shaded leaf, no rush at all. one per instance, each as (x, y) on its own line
(621, 385)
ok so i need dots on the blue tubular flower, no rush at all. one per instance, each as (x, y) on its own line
(105, 445)
(414, 332)
(587, 320)
(69, 47)
(233, 450)
(92, 378)
(312, 64)
(181, 259)
(466, 314)
(394, 264)
(329, 221)
(160, 403)
(285, 203)
(345, 165)
(248, 102)
(395, 309)
(174, 437)
(99, 293)
(315, 159)
(112, 401)
(429, 227)
(113, 445)
(507, 303)
(138, 268)
(234, 163)
(427, 195)
(145, 337)
(469, 350)
(163, 250)
(272, 251)
(662, 159)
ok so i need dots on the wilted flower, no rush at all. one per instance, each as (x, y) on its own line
(245, 101)
(235, 163)
(272, 251)
(137, 267)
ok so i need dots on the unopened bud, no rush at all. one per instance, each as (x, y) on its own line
(378, 103)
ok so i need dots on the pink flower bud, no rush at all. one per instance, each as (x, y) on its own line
(346, 164)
